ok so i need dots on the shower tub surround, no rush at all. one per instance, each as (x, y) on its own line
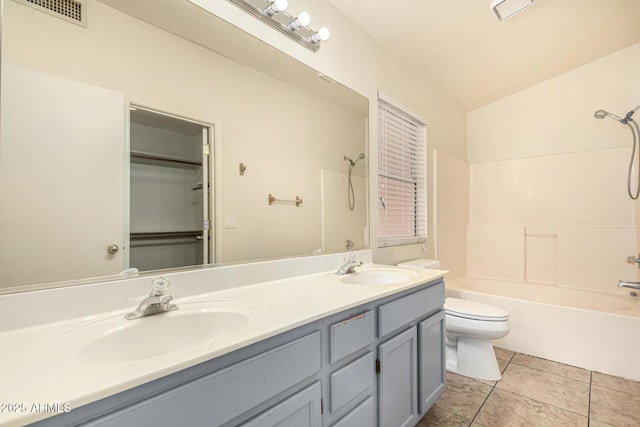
(589, 329)
(290, 297)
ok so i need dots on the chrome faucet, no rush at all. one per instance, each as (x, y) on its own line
(350, 264)
(632, 285)
(158, 301)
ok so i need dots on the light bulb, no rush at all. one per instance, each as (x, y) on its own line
(321, 36)
(276, 6)
(301, 21)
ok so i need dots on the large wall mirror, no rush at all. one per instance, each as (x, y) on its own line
(114, 126)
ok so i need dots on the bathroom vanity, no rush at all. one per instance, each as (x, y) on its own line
(282, 342)
(322, 352)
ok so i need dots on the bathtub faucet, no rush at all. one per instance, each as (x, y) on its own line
(633, 285)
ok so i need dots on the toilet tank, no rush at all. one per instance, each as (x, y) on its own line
(432, 264)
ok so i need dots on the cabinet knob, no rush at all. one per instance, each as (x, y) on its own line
(112, 249)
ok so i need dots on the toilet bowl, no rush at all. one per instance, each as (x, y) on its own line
(470, 327)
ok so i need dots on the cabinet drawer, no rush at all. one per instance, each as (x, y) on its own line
(398, 313)
(351, 380)
(223, 395)
(362, 415)
(351, 335)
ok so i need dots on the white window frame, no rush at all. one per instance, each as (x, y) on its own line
(402, 175)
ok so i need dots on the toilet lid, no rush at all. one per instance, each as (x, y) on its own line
(474, 310)
(421, 263)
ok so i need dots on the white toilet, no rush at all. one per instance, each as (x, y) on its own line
(470, 328)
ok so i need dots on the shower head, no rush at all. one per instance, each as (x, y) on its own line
(351, 162)
(601, 114)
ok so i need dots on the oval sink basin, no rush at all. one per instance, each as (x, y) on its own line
(378, 276)
(116, 339)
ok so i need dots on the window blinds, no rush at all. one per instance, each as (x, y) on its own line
(402, 193)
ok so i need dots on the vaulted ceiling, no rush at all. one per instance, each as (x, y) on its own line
(462, 48)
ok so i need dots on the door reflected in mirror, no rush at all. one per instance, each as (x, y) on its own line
(169, 191)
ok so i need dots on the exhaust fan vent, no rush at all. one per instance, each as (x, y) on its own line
(70, 10)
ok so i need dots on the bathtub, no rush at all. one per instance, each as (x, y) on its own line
(591, 330)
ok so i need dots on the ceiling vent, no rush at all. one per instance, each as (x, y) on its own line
(74, 11)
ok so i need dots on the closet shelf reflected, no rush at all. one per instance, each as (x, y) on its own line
(166, 235)
(151, 156)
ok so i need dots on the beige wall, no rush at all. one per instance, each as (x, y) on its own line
(550, 181)
(556, 116)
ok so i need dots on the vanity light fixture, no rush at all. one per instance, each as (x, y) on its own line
(321, 36)
(505, 9)
(274, 14)
(302, 20)
(276, 6)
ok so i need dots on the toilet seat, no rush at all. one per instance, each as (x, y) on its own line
(474, 310)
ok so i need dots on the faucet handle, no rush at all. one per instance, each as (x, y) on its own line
(634, 260)
(160, 285)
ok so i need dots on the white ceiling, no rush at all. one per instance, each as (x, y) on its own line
(463, 49)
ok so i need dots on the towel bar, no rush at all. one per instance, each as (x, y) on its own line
(272, 200)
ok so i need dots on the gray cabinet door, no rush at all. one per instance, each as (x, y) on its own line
(398, 381)
(431, 360)
(363, 415)
(300, 410)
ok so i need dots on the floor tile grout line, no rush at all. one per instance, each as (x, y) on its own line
(483, 402)
(554, 373)
(550, 361)
(480, 408)
(493, 387)
(589, 406)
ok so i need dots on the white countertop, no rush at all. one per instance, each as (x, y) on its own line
(29, 375)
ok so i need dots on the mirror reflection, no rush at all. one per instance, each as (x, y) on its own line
(124, 145)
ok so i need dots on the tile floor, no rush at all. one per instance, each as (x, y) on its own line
(536, 392)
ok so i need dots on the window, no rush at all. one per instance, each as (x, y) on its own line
(402, 192)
